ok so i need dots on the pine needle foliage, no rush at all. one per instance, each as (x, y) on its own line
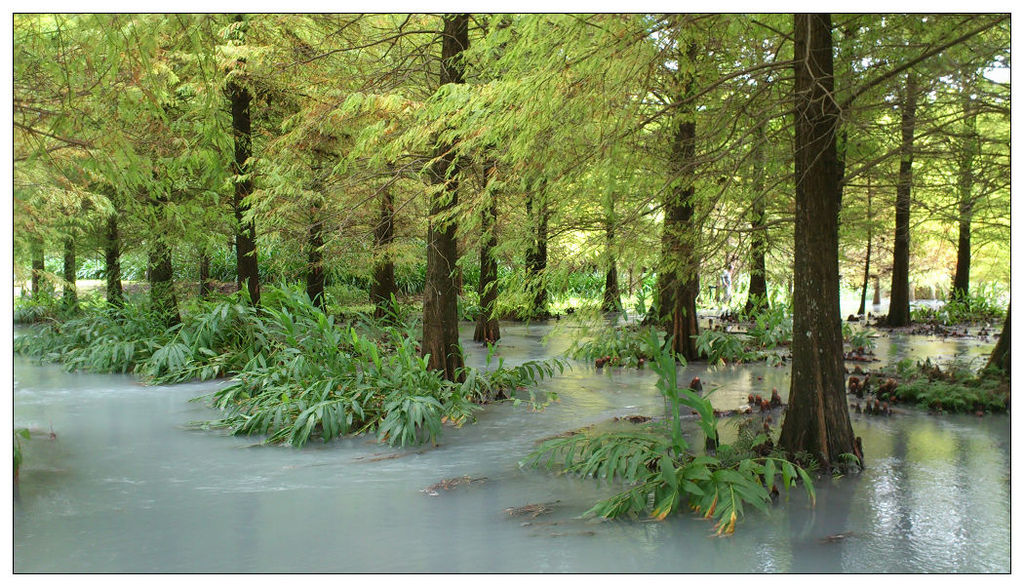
(662, 475)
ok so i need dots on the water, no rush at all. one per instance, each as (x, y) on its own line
(125, 487)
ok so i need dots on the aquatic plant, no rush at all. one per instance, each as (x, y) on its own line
(661, 472)
(722, 347)
(957, 388)
(628, 345)
(981, 307)
(771, 326)
(313, 377)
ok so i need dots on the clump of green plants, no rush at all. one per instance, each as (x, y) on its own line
(724, 347)
(972, 309)
(662, 474)
(771, 326)
(957, 388)
(859, 338)
(102, 339)
(312, 377)
(628, 345)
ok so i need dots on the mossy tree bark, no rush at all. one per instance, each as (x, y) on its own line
(899, 296)
(487, 328)
(817, 420)
(440, 314)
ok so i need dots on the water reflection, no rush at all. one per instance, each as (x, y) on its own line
(125, 487)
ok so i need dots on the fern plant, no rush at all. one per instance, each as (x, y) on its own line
(661, 473)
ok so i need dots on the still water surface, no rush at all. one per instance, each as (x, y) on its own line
(125, 487)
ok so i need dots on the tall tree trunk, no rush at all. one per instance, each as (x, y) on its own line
(678, 277)
(112, 257)
(70, 295)
(817, 420)
(899, 296)
(1001, 353)
(537, 255)
(38, 266)
(383, 287)
(440, 313)
(245, 232)
(315, 277)
(612, 299)
(205, 287)
(867, 258)
(969, 148)
(757, 293)
(487, 328)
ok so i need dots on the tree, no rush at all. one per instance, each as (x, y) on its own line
(1000, 357)
(899, 297)
(241, 126)
(487, 327)
(817, 420)
(440, 315)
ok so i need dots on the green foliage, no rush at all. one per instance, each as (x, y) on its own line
(972, 309)
(859, 337)
(661, 474)
(957, 388)
(312, 377)
(772, 326)
(42, 307)
(724, 347)
(628, 345)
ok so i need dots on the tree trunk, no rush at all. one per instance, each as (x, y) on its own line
(612, 300)
(965, 184)
(383, 287)
(245, 232)
(38, 266)
(877, 298)
(440, 312)
(537, 255)
(70, 295)
(315, 277)
(867, 259)
(161, 284)
(205, 287)
(899, 296)
(757, 293)
(817, 420)
(487, 328)
(678, 278)
(112, 257)
(1001, 353)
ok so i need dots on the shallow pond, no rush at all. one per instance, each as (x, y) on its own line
(126, 487)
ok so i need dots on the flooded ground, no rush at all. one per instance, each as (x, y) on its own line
(126, 487)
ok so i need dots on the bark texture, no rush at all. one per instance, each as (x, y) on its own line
(70, 294)
(899, 296)
(817, 420)
(1001, 353)
(678, 281)
(487, 328)
(245, 235)
(537, 254)
(161, 284)
(969, 149)
(383, 287)
(440, 315)
(612, 299)
(757, 293)
(112, 259)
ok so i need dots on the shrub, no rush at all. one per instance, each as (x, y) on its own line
(660, 472)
